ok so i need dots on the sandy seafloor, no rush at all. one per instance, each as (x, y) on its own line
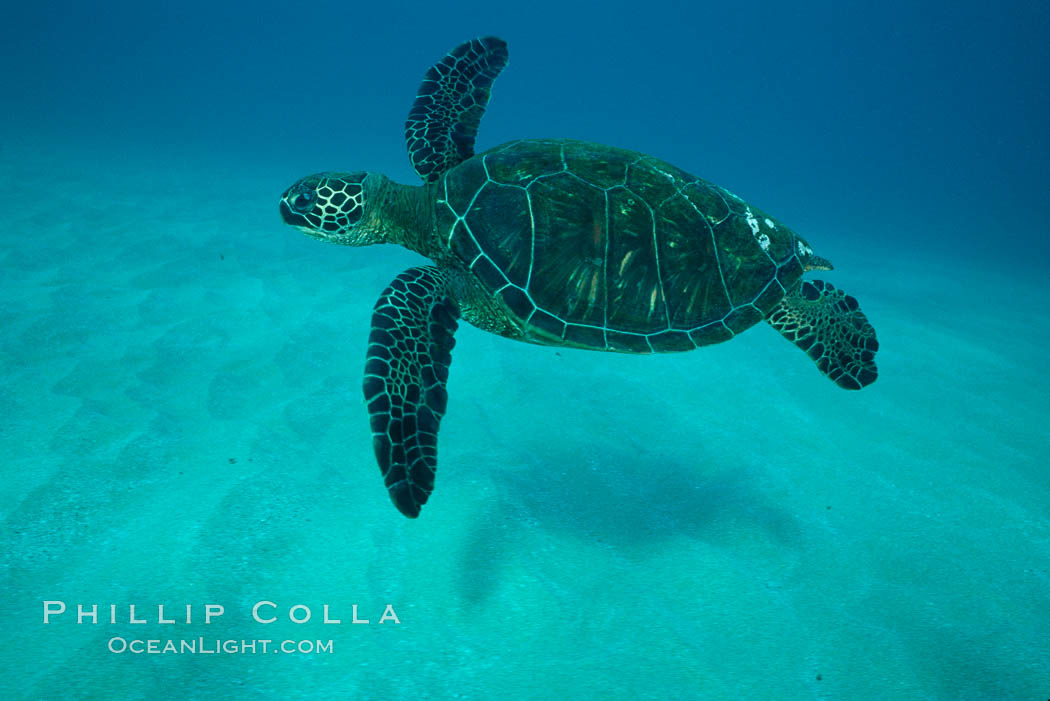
(181, 423)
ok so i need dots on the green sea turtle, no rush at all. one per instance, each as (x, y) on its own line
(556, 242)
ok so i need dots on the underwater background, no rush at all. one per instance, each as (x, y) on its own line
(181, 419)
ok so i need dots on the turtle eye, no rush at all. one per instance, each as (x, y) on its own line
(304, 201)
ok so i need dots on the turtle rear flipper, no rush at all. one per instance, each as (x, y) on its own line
(409, 352)
(443, 121)
(829, 326)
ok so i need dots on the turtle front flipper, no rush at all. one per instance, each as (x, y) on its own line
(828, 324)
(444, 119)
(409, 351)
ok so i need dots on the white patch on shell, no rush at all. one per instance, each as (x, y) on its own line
(804, 250)
(763, 239)
(771, 225)
(664, 173)
(752, 222)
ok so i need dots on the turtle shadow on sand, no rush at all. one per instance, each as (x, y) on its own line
(628, 498)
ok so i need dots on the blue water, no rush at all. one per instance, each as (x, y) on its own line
(181, 420)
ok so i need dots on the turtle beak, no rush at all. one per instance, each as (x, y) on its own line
(290, 217)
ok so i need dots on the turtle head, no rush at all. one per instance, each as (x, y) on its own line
(334, 207)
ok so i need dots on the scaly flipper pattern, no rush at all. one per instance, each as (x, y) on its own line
(829, 326)
(409, 352)
(443, 121)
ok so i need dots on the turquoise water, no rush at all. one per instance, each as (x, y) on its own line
(181, 420)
